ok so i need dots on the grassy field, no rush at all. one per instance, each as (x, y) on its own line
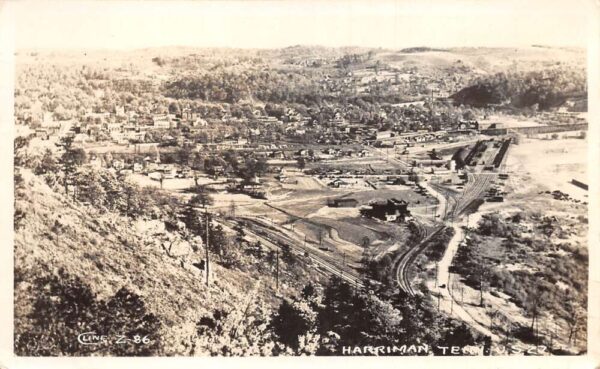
(402, 193)
(352, 232)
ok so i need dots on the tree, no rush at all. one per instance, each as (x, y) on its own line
(182, 156)
(159, 61)
(533, 304)
(70, 160)
(493, 225)
(202, 197)
(308, 292)
(133, 204)
(456, 335)
(253, 168)
(574, 315)
(174, 108)
(337, 307)
(48, 164)
(197, 162)
(320, 235)
(257, 250)
(239, 232)
(468, 115)
(90, 189)
(287, 255)
(292, 320)
(357, 318)
(68, 307)
(191, 217)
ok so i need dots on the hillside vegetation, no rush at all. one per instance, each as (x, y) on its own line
(103, 257)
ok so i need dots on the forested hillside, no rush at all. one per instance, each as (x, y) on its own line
(544, 89)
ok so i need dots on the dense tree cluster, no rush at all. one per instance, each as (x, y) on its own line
(342, 316)
(69, 307)
(269, 86)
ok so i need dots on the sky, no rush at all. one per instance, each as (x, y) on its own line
(280, 23)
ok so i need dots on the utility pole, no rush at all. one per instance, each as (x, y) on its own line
(481, 290)
(277, 270)
(437, 266)
(552, 335)
(206, 248)
(232, 209)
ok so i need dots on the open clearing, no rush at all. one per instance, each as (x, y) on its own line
(549, 165)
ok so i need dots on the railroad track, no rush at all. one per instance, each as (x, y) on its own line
(404, 262)
(475, 187)
(450, 198)
(479, 184)
(273, 238)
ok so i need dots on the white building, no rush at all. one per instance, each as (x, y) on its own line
(161, 121)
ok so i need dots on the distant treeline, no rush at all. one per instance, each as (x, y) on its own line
(270, 86)
(420, 49)
(273, 86)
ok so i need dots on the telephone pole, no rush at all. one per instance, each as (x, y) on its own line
(277, 270)
(481, 290)
(206, 248)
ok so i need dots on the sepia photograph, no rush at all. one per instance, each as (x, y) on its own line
(286, 179)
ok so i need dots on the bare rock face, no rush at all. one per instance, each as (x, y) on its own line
(180, 248)
(149, 227)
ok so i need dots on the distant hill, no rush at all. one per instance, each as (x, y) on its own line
(546, 89)
(420, 49)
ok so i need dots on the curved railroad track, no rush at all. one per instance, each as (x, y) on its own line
(455, 206)
(405, 261)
